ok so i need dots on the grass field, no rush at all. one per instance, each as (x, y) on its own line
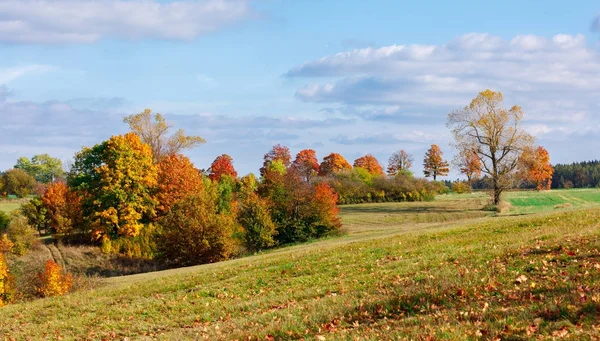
(8, 206)
(438, 270)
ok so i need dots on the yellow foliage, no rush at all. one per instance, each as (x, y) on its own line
(53, 282)
(5, 244)
(5, 282)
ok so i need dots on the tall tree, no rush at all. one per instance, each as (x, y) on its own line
(433, 163)
(469, 164)
(307, 164)
(116, 179)
(535, 166)
(63, 208)
(399, 162)
(494, 134)
(370, 163)
(223, 165)
(18, 182)
(177, 179)
(278, 153)
(154, 131)
(43, 167)
(333, 163)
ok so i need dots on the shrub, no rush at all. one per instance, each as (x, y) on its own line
(22, 234)
(53, 282)
(193, 232)
(460, 187)
(4, 221)
(6, 245)
(6, 283)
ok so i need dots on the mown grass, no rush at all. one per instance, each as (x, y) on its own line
(418, 271)
(8, 206)
(526, 202)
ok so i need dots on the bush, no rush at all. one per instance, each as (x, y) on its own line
(21, 234)
(193, 232)
(52, 282)
(4, 221)
(461, 187)
(6, 282)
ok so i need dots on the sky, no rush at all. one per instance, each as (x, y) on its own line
(352, 77)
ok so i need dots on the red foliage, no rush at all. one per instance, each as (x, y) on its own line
(333, 163)
(306, 163)
(279, 152)
(223, 165)
(536, 167)
(370, 163)
(177, 178)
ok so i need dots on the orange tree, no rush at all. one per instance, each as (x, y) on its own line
(115, 180)
(370, 163)
(63, 208)
(535, 166)
(469, 164)
(177, 179)
(433, 164)
(52, 282)
(333, 163)
(307, 164)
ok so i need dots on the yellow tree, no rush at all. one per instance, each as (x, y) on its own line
(115, 180)
(154, 131)
(494, 134)
(433, 163)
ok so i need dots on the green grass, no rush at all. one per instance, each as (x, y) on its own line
(440, 270)
(525, 202)
(8, 206)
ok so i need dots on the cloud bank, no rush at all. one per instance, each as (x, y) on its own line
(87, 21)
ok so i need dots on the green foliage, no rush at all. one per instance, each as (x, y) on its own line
(21, 234)
(18, 182)
(225, 188)
(4, 221)
(115, 180)
(43, 167)
(36, 214)
(194, 232)
(254, 217)
(143, 245)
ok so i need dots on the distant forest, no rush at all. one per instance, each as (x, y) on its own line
(577, 175)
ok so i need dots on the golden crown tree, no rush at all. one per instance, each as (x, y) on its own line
(494, 134)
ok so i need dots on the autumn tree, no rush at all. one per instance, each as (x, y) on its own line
(535, 166)
(254, 216)
(6, 282)
(63, 208)
(400, 162)
(495, 134)
(469, 164)
(52, 281)
(370, 163)
(177, 179)
(194, 232)
(154, 131)
(278, 153)
(115, 180)
(223, 165)
(307, 164)
(433, 164)
(18, 182)
(333, 163)
(43, 167)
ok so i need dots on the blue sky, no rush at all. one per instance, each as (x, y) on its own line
(352, 77)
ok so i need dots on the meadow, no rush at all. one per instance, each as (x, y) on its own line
(445, 269)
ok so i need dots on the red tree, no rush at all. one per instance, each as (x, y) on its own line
(64, 208)
(370, 163)
(278, 153)
(223, 165)
(535, 166)
(306, 163)
(433, 164)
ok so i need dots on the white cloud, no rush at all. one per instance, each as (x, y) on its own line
(86, 21)
(8, 75)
